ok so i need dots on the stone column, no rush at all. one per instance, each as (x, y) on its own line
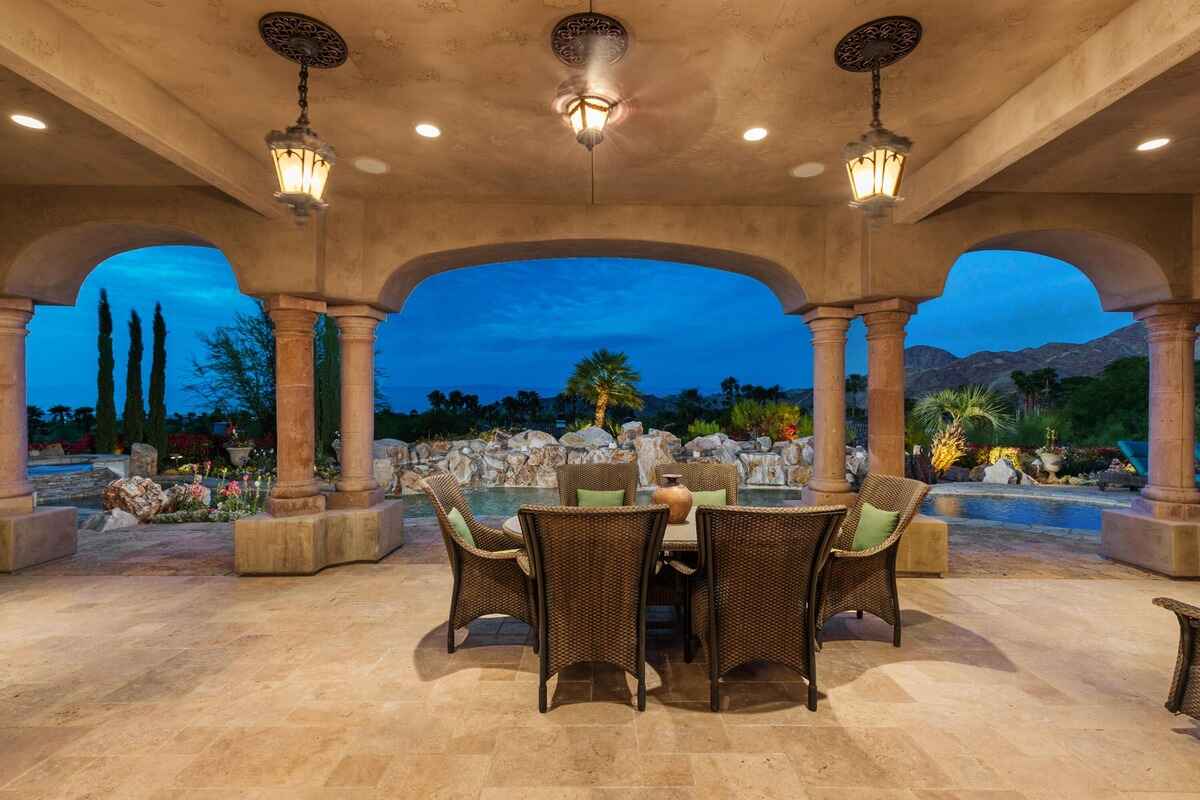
(885, 382)
(357, 488)
(16, 491)
(828, 483)
(296, 490)
(1171, 330)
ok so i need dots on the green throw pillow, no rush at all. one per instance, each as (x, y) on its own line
(600, 498)
(874, 525)
(716, 497)
(460, 526)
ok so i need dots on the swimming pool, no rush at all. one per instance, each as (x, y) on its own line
(58, 469)
(1079, 513)
(500, 502)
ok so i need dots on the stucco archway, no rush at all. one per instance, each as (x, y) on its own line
(408, 276)
(52, 268)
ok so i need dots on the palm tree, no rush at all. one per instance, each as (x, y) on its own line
(729, 387)
(59, 413)
(953, 409)
(856, 384)
(603, 378)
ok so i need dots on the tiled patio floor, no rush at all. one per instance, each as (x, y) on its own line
(209, 686)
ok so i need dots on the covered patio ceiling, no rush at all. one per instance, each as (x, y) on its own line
(699, 72)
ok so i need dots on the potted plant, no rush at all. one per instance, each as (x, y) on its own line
(1051, 454)
(238, 447)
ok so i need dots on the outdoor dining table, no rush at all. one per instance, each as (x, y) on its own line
(680, 537)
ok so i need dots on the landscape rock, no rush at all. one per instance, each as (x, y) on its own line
(630, 431)
(532, 439)
(116, 519)
(792, 453)
(705, 443)
(799, 475)
(651, 450)
(384, 471)
(591, 436)
(393, 449)
(807, 454)
(143, 460)
(672, 440)
(461, 466)
(183, 491)
(764, 469)
(54, 450)
(857, 463)
(141, 497)
(764, 443)
(1001, 472)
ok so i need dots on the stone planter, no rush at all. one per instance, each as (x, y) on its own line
(238, 456)
(1051, 462)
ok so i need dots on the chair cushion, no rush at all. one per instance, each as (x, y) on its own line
(874, 525)
(460, 526)
(600, 498)
(715, 497)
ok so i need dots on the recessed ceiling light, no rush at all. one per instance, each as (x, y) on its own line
(371, 166)
(428, 131)
(755, 134)
(1153, 144)
(809, 169)
(26, 121)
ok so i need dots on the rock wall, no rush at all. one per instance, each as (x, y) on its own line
(529, 458)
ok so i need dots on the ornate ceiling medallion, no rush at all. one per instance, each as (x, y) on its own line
(877, 44)
(587, 38)
(303, 39)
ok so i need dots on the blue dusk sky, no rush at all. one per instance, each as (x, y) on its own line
(496, 328)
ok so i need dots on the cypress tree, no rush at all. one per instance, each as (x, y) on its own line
(156, 433)
(328, 378)
(135, 412)
(106, 406)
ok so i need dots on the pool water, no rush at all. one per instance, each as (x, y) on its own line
(1057, 513)
(1020, 510)
(58, 469)
(500, 502)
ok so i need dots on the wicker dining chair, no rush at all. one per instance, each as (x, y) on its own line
(756, 596)
(703, 477)
(487, 577)
(603, 477)
(1184, 697)
(865, 580)
(591, 569)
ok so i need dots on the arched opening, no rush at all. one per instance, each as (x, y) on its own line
(90, 424)
(1068, 376)
(406, 277)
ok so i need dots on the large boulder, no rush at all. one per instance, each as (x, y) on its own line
(462, 466)
(393, 449)
(807, 453)
(799, 475)
(1001, 472)
(857, 464)
(792, 453)
(672, 440)
(384, 470)
(143, 460)
(183, 493)
(764, 469)
(54, 450)
(115, 519)
(141, 497)
(630, 431)
(591, 436)
(531, 440)
(651, 451)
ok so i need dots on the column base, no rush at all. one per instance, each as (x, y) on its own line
(295, 506)
(306, 544)
(36, 537)
(924, 548)
(1167, 546)
(354, 499)
(817, 497)
(1165, 509)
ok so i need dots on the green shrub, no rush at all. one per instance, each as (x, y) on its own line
(699, 427)
(749, 418)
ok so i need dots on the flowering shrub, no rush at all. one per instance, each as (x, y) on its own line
(192, 447)
(947, 447)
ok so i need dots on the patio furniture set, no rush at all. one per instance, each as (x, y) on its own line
(745, 584)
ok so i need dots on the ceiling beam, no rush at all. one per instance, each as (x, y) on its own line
(54, 52)
(1143, 41)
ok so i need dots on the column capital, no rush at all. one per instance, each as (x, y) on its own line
(281, 302)
(893, 304)
(367, 312)
(15, 313)
(1168, 313)
(830, 313)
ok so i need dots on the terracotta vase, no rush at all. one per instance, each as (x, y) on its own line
(675, 496)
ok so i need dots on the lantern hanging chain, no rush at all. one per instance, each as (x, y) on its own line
(876, 94)
(302, 121)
